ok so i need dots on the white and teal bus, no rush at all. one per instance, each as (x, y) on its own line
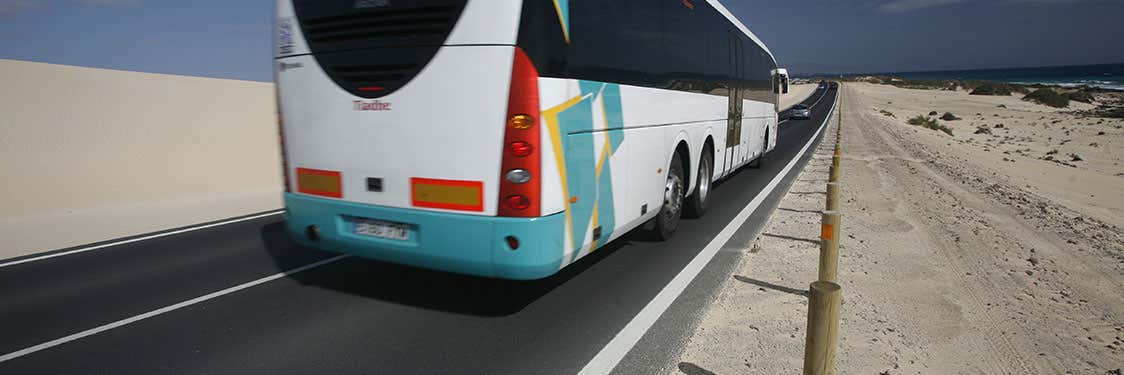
(508, 138)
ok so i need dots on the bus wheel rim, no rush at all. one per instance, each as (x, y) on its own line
(704, 179)
(673, 196)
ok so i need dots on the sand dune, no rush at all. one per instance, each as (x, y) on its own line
(94, 154)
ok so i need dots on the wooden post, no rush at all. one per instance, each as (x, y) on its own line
(836, 159)
(823, 328)
(832, 196)
(829, 246)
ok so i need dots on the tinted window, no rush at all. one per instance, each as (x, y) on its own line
(617, 41)
(652, 43)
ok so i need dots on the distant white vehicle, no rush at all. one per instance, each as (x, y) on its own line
(509, 139)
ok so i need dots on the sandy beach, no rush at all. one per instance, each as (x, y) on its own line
(969, 253)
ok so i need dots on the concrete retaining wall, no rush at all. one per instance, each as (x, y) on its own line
(89, 154)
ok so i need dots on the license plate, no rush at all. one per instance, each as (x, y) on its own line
(382, 229)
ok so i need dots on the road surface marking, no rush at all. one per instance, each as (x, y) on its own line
(821, 98)
(138, 239)
(622, 343)
(165, 309)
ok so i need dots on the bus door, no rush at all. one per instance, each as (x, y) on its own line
(734, 118)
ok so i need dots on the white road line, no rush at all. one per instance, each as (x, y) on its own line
(131, 240)
(618, 347)
(169, 308)
(821, 98)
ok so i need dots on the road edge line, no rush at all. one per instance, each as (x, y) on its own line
(141, 238)
(165, 309)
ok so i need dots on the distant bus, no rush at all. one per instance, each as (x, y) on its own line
(508, 139)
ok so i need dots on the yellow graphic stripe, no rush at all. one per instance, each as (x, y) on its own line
(562, 21)
(550, 117)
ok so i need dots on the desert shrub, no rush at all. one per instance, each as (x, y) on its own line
(1080, 96)
(920, 120)
(887, 113)
(945, 129)
(992, 89)
(929, 123)
(948, 116)
(1048, 97)
(932, 113)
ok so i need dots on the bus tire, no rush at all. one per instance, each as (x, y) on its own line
(696, 203)
(760, 161)
(667, 220)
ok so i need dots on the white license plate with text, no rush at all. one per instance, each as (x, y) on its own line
(382, 229)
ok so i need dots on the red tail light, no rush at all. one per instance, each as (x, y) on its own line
(521, 140)
(518, 202)
(520, 149)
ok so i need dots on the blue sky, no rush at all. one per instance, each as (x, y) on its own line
(210, 38)
(232, 38)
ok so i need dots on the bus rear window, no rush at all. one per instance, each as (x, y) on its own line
(335, 25)
(349, 39)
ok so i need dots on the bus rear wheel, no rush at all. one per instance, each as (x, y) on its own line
(667, 221)
(764, 151)
(696, 204)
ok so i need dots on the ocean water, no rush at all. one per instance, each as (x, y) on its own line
(1109, 76)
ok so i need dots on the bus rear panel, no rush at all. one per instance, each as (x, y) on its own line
(395, 117)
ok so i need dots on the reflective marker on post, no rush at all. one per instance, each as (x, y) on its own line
(829, 246)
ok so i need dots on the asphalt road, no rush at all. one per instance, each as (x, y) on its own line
(359, 316)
